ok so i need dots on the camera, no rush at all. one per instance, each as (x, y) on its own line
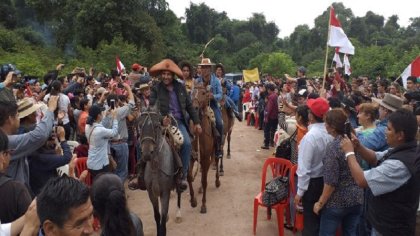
(120, 85)
(5, 69)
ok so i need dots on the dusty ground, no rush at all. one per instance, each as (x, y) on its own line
(230, 207)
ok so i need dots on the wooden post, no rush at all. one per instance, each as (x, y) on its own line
(326, 51)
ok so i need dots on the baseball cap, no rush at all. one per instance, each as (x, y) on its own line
(318, 106)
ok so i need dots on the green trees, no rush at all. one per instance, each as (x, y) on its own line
(37, 34)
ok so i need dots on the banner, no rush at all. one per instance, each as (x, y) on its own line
(251, 75)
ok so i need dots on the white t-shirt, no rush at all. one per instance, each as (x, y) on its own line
(63, 105)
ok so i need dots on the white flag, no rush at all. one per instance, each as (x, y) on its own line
(337, 36)
(337, 59)
(347, 68)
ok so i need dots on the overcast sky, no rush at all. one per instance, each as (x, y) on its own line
(290, 13)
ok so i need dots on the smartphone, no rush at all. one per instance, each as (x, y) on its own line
(347, 129)
(112, 104)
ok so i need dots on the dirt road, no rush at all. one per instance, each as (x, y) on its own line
(230, 207)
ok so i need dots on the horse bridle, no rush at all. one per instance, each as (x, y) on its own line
(155, 134)
(195, 97)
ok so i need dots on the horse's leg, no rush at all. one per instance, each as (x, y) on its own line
(164, 202)
(178, 218)
(217, 171)
(221, 172)
(228, 143)
(190, 179)
(204, 185)
(155, 204)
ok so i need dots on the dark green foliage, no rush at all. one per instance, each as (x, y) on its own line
(38, 34)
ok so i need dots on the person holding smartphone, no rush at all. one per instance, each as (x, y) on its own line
(97, 136)
(341, 200)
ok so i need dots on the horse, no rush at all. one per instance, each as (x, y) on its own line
(203, 144)
(159, 171)
(228, 122)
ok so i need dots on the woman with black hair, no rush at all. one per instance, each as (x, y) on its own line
(98, 136)
(110, 206)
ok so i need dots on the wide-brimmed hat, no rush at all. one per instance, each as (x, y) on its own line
(206, 62)
(390, 102)
(100, 90)
(143, 86)
(318, 106)
(27, 107)
(166, 64)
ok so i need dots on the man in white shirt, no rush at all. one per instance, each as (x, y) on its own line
(310, 167)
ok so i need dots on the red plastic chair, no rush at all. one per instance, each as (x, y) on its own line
(80, 167)
(278, 167)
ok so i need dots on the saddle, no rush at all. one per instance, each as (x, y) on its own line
(175, 139)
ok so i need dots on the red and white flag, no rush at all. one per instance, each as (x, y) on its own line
(412, 70)
(337, 59)
(120, 66)
(337, 36)
(346, 62)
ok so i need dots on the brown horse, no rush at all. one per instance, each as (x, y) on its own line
(203, 144)
(228, 122)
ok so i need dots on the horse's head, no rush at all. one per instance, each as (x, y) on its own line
(200, 95)
(150, 132)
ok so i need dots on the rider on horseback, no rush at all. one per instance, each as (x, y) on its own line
(173, 101)
(216, 94)
(229, 103)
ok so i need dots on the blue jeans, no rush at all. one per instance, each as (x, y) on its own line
(229, 103)
(331, 218)
(219, 120)
(121, 157)
(185, 148)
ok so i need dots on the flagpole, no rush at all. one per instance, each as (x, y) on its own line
(326, 51)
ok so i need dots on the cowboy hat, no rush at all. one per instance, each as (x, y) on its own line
(390, 102)
(206, 62)
(27, 107)
(166, 64)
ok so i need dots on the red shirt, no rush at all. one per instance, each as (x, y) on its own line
(81, 123)
(247, 97)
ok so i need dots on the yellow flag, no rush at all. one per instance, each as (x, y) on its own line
(251, 75)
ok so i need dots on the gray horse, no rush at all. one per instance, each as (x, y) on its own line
(159, 171)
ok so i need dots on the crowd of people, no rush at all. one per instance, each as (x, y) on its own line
(46, 124)
(355, 142)
(359, 179)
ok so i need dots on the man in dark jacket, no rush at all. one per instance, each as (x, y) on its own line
(395, 179)
(270, 116)
(172, 99)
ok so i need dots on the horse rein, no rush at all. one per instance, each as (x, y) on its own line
(155, 138)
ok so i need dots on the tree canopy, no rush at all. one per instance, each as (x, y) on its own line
(37, 34)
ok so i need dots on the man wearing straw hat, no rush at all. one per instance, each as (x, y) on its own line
(24, 144)
(173, 100)
(210, 80)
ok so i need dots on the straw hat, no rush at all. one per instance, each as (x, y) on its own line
(143, 86)
(206, 62)
(27, 107)
(390, 102)
(166, 64)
